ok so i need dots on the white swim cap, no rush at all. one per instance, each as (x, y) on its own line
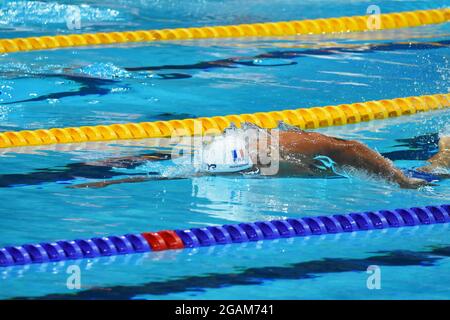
(227, 153)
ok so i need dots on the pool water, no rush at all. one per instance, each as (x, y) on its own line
(176, 80)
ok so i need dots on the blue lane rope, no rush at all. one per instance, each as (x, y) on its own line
(220, 235)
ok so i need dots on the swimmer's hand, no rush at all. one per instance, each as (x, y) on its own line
(414, 183)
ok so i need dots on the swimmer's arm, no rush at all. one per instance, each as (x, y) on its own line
(359, 156)
(126, 162)
(103, 184)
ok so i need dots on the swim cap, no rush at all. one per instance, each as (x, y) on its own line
(224, 154)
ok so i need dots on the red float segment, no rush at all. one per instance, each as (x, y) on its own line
(173, 241)
(163, 240)
(155, 241)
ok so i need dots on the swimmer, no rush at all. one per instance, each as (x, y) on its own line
(301, 154)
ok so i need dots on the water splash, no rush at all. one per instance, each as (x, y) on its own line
(17, 13)
(283, 126)
(445, 132)
(104, 71)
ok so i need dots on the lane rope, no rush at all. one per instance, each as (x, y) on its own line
(304, 118)
(284, 28)
(221, 235)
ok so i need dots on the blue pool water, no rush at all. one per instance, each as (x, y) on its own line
(175, 80)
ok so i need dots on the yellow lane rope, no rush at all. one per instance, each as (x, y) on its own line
(285, 28)
(305, 118)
